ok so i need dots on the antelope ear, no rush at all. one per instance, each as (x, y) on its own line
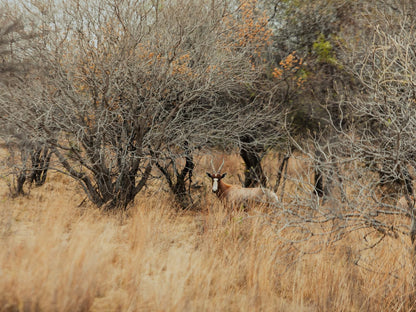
(223, 175)
(209, 175)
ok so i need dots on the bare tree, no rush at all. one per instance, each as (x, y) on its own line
(385, 110)
(126, 85)
(314, 76)
(369, 157)
(28, 159)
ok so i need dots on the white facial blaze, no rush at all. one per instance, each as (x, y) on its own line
(214, 185)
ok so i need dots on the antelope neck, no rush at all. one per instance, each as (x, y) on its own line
(222, 188)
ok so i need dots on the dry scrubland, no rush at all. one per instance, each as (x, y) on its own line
(56, 256)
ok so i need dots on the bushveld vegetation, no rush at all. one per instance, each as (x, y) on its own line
(57, 256)
(112, 111)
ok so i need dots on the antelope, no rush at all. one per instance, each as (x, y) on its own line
(237, 195)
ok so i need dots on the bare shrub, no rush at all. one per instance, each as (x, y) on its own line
(122, 87)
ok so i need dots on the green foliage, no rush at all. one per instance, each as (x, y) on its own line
(324, 50)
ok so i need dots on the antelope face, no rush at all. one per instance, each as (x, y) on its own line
(215, 178)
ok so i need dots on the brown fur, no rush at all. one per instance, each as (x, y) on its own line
(237, 195)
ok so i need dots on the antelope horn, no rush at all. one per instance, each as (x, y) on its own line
(212, 165)
(219, 170)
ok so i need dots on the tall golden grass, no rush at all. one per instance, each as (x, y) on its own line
(56, 256)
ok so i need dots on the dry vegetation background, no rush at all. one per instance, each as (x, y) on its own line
(56, 256)
(111, 112)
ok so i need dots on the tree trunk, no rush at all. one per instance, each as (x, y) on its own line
(318, 174)
(126, 190)
(101, 188)
(282, 167)
(253, 173)
(21, 179)
(177, 181)
(40, 158)
(182, 195)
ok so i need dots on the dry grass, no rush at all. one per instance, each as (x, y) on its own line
(58, 257)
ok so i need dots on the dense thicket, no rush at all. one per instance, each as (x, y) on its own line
(119, 90)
